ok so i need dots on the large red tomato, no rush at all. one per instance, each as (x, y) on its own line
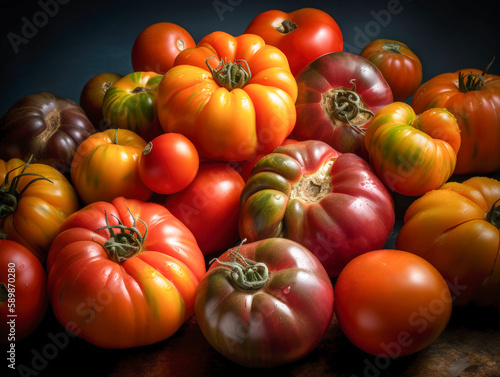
(338, 95)
(265, 304)
(157, 46)
(303, 35)
(209, 206)
(334, 204)
(23, 292)
(473, 97)
(124, 273)
(391, 303)
(400, 66)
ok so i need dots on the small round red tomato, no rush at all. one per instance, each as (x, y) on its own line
(400, 67)
(303, 35)
(23, 292)
(265, 304)
(157, 46)
(168, 163)
(391, 303)
(209, 206)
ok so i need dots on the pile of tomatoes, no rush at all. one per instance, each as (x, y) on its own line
(248, 180)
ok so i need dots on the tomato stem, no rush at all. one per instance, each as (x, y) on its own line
(286, 27)
(230, 75)
(493, 215)
(10, 195)
(471, 81)
(246, 273)
(345, 105)
(122, 246)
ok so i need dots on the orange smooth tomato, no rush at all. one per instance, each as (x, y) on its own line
(413, 154)
(168, 163)
(35, 199)
(105, 166)
(476, 106)
(233, 97)
(157, 46)
(23, 292)
(303, 35)
(124, 285)
(456, 229)
(391, 303)
(400, 67)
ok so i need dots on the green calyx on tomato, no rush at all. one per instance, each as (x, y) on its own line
(347, 106)
(230, 75)
(9, 194)
(245, 273)
(122, 246)
(493, 215)
(469, 82)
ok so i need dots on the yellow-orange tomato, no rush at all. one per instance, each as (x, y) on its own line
(455, 228)
(35, 199)
(105, 166)
(233, 97)
(413, 154)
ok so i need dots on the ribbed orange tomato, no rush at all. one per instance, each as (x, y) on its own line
(233, 97)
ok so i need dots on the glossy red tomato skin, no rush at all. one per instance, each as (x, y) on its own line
(139, 300)
(391, 303)
(316, 34)
(169, 163)
(209, 206)
(276, 324)
(23, 275)
(401, 68)
(157, 46)
(339, 74)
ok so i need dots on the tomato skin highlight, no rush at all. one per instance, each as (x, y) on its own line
(169, 163)
(391, 303)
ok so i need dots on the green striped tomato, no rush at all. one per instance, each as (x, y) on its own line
(131, 104)
(413, 154)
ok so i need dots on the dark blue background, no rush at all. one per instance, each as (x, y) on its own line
(81, 39)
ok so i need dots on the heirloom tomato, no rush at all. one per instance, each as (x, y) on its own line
(265, 304)
(168, 163)
(334, 204)
(43, 125)
(92, 96)
(455, 228)
(391, 303)
(124, 273)
(338, 94)
(400, 67)
(157, 46)
(106, 165)
(209, 206)
(23, 292)
(35, 199)
(473, 97)
(233, 97)
(130, 103)
(303, 35)
(413, 154)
